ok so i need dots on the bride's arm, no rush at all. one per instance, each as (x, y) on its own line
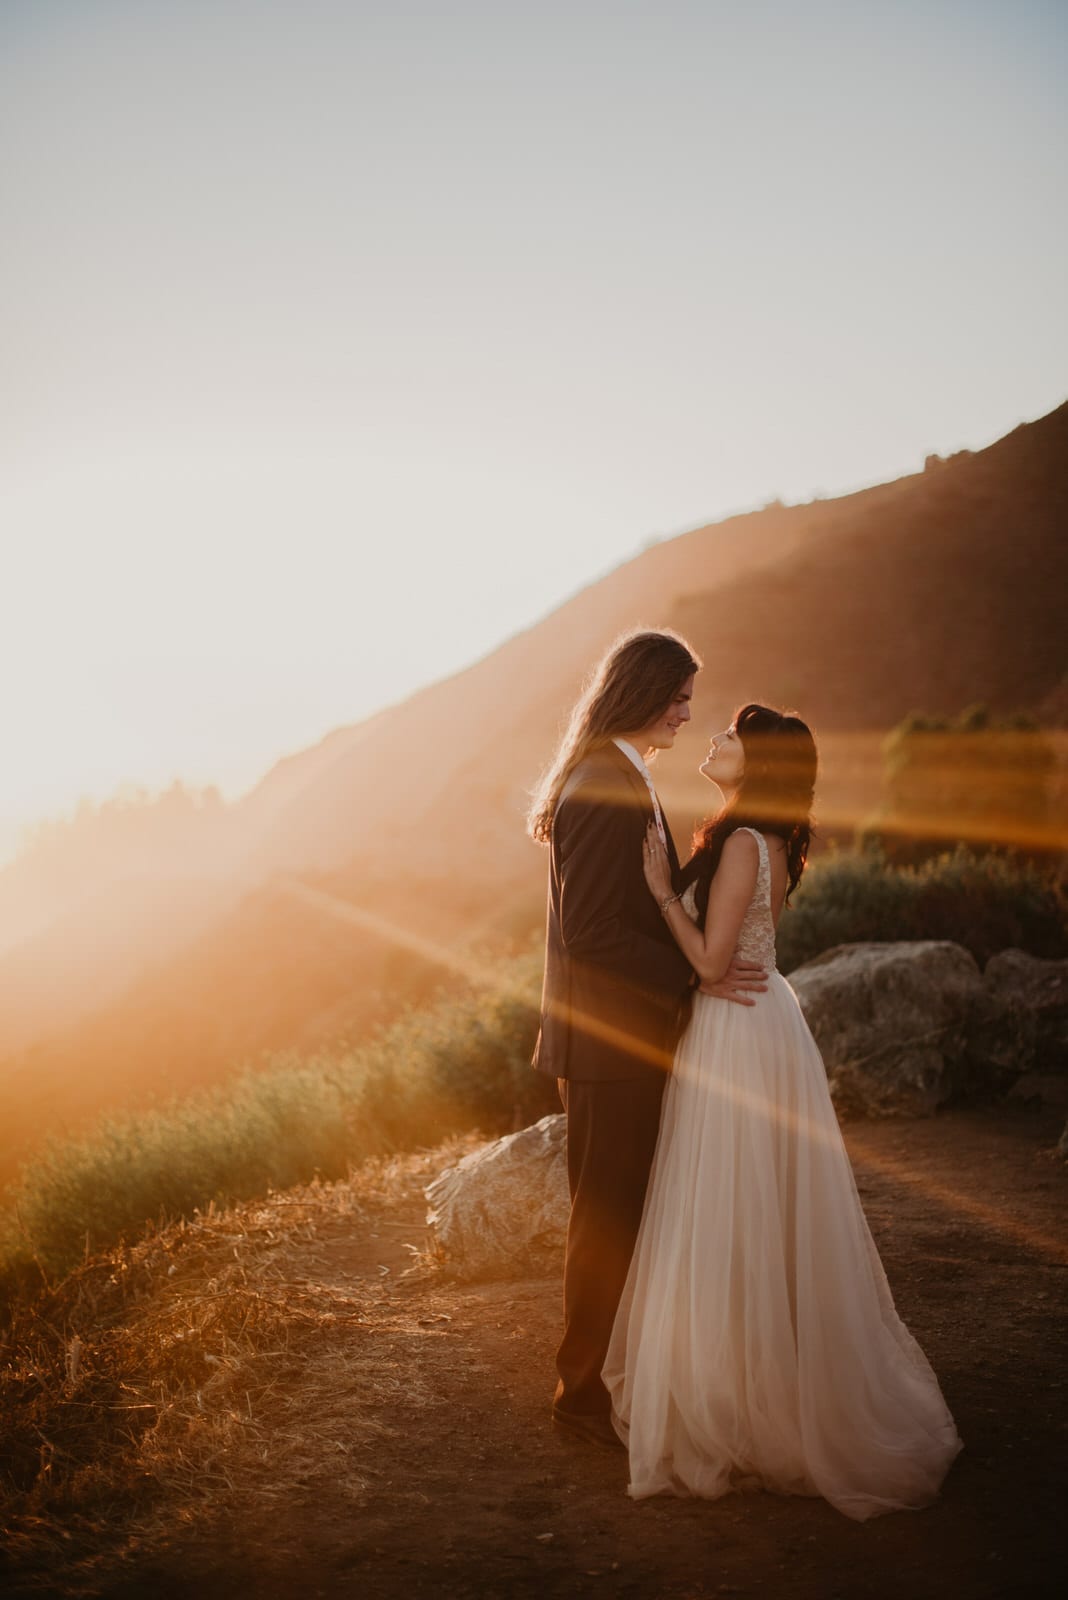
(729, 896)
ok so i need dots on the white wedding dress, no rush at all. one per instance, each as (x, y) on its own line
(756, 1343)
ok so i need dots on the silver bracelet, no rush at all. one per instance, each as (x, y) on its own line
(670, 901)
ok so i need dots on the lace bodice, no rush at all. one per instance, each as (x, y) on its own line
(756, 937)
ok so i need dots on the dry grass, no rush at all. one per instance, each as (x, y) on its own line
(207, 1365)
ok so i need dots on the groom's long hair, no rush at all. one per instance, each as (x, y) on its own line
(774, 796)
(632, 687)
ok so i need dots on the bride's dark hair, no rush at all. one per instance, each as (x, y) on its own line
(774, 796)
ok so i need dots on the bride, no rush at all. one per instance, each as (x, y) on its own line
(756, 1342)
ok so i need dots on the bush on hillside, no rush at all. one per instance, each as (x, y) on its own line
(990, 781)
(985, 902)
(461, 1063)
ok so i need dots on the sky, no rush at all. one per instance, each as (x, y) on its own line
(339, 341)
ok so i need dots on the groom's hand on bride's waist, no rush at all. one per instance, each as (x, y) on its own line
(740, 983)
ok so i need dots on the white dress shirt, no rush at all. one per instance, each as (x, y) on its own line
(635, 759)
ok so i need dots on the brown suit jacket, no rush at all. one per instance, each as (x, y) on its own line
(614, 977)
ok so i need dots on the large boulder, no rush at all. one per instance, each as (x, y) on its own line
(906, 1027)
(1036, 991)
(903, 1028)
(506, 1205)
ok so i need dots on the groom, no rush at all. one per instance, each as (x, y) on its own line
(615, 983)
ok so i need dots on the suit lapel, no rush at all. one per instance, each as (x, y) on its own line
(634, 779)
(641, 794)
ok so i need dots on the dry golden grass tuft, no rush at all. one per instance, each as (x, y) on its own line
(205, 1365)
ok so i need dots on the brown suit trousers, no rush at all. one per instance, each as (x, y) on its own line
(611, 1138)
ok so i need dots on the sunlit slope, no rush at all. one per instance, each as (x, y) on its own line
(122, 888)
(89, 954)
(451, 766)
(97, 899)
(932, 592)
(270, 974)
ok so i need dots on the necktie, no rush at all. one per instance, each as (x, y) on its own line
(656, 811)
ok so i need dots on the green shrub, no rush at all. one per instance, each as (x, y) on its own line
(462, 1062)
(275, 1128)
(985, 902)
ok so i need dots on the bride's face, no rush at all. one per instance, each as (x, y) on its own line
(725, 761)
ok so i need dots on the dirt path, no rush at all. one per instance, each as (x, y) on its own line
(449, 1481)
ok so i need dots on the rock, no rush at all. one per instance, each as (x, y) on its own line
(906, 1027)
(1034, 1090)
(1037, 991)
(1024, 1095)
(505, 1206)
(1062, 1144)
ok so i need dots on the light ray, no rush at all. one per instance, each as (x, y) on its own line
(955, 1200)
(859, 1151)
(468, 967)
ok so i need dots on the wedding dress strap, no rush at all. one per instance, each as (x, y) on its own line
(762, 843)
(764, 869)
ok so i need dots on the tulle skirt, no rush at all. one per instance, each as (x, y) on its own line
(756, 1343)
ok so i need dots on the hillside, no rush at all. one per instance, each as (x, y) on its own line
(931, 592)
(947, 591)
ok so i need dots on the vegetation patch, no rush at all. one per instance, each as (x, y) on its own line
(460, 1063)
(984, 901)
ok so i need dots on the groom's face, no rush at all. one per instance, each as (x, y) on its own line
(660, 735)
